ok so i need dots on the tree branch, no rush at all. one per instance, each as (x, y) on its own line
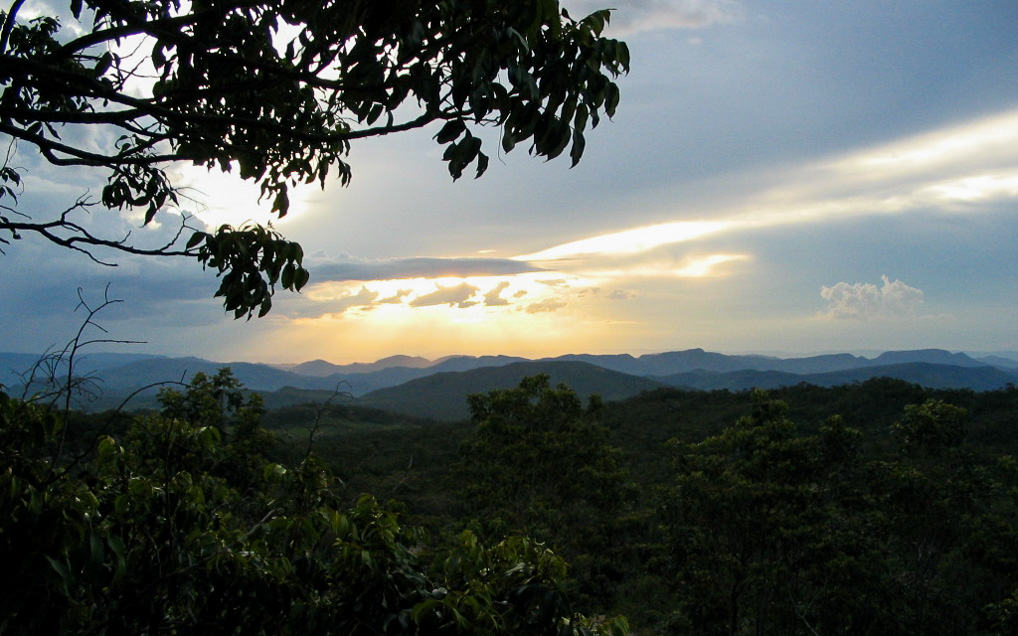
(83, 237)
(5, 33)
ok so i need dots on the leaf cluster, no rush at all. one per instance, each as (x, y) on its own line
(250, 261)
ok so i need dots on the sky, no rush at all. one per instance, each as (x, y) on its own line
(789, 178)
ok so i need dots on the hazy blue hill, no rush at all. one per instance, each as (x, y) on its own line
(623, 363)
(741, 380)
(321, 368)
(361, 378)
(468, 363)
(443, 396)
(938, 376)
(361, 383)
(668, 363)
(260, 377)
(815, 364)
(688, 361)
(315, 368)
(999, 361)
(120, 374)
(13, 364)
(100, 361)
(930, 356)
(291, 396)
(693, 359)
(930, 375)
(698, 359)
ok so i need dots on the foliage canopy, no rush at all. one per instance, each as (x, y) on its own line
(184, 525)
(278, 91)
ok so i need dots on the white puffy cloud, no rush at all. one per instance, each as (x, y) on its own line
(863, 301)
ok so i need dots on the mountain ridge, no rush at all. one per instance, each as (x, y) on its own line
(691, 368)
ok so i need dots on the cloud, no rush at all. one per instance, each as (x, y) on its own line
(969, 167)
(659, 263)
(983, 143)
(549, 304)
(863, 301)
(363, 298)
(456, 295)
(632, 241)
(400, 268)
(493, 298)
(396, 298)
(632, 16)
(621, 294)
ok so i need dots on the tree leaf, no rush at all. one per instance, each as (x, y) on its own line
(450, 131)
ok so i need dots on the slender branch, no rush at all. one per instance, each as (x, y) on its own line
(319, 411)
(132, 394)
(68, 355)
(127, 30)
(82, 237)
(85, 158)
(5, 33)
(75, 117)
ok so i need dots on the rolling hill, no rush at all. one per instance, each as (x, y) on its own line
(443, 396)
(934, 376)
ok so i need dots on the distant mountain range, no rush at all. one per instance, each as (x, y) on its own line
(438, 388)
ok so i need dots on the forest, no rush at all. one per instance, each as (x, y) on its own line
(878, 507)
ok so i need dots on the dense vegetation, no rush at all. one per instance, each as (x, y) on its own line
(184, 525)
(879, 508)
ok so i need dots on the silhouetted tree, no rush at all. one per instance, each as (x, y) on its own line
(279, 91)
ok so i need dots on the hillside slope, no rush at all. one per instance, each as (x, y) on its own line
(443, 396)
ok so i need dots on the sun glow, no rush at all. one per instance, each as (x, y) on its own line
(706, 266)
(219, 198)
(460, 299)
(526, 313)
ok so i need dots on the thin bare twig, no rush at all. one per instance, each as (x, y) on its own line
(320, 410)
(68, 355)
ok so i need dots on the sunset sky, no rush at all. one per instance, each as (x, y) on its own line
(781, 177)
